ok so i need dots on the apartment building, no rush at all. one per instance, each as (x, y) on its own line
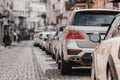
(53, 11)
(109, 4)
(58, 8)
(5, 17)
(38, 8)
(21, 12)
(1, 26)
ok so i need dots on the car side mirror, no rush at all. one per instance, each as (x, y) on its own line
(95, 38)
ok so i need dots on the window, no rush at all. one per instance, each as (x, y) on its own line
(113, 31)
(53, 6)
(116, 31)
(92, 18)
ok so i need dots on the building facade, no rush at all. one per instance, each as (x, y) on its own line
(35, 20)
(54, 11)
(5, 17)
(59, 10)
(1, 25)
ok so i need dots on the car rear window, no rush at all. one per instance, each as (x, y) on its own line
(94, 18)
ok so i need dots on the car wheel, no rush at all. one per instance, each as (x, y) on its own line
(109, 74)
(53, 57)
(35, 45)
(65, 67)
(57, 58)
(59, 65)
(43, 49)
(58, 61)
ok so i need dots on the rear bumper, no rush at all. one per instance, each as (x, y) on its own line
(81, 58)
(85, 60)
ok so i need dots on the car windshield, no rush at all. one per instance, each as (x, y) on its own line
(94, 18)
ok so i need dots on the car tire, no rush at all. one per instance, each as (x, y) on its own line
(58, 61)
(57, 58)
(59, 65)
(65, 67)
(109, 74)
(53, 57)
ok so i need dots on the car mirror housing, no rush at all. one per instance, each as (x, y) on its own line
(95, 38)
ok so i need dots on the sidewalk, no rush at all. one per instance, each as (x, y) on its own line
(14, 43)
(2, 48)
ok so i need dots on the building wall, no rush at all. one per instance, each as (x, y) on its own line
(5, 6)
(1, 27)
(53, 11)
(98, 4)
(35, 21)
(21, 8)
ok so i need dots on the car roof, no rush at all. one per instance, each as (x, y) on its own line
(77, 10)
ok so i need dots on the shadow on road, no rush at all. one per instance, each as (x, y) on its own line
(76, 74)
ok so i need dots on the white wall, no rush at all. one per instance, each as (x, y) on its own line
(1, 6)
(20, 7)
(37, 9)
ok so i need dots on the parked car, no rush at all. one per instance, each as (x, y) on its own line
(43, 39)
(106, 56)
(54, 43)
(75, 47)
(49, 42)
(36, 39)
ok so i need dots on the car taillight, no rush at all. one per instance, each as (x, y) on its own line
(72, 34)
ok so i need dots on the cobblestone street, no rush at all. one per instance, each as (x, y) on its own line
(25, 62)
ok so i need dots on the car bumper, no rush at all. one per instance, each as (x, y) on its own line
(80, 56)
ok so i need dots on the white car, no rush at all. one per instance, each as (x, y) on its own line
(36, 39)
(106, 56)
(75, 47)
(43, 39)
(54, 43)
(49, 42)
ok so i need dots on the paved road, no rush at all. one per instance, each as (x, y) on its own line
(25, 62)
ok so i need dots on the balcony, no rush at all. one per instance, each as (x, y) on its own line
(73, 3)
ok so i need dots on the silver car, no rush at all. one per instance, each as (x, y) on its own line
(75, 47)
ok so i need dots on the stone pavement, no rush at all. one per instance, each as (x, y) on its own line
(4, 48)
(16, 63)
(50, 71)
(1, 48)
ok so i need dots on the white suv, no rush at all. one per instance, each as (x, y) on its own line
(106, 56)
(75, 47)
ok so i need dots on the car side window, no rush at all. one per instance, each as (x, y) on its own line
(70, 20)
(116, 32)
(115, 28)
